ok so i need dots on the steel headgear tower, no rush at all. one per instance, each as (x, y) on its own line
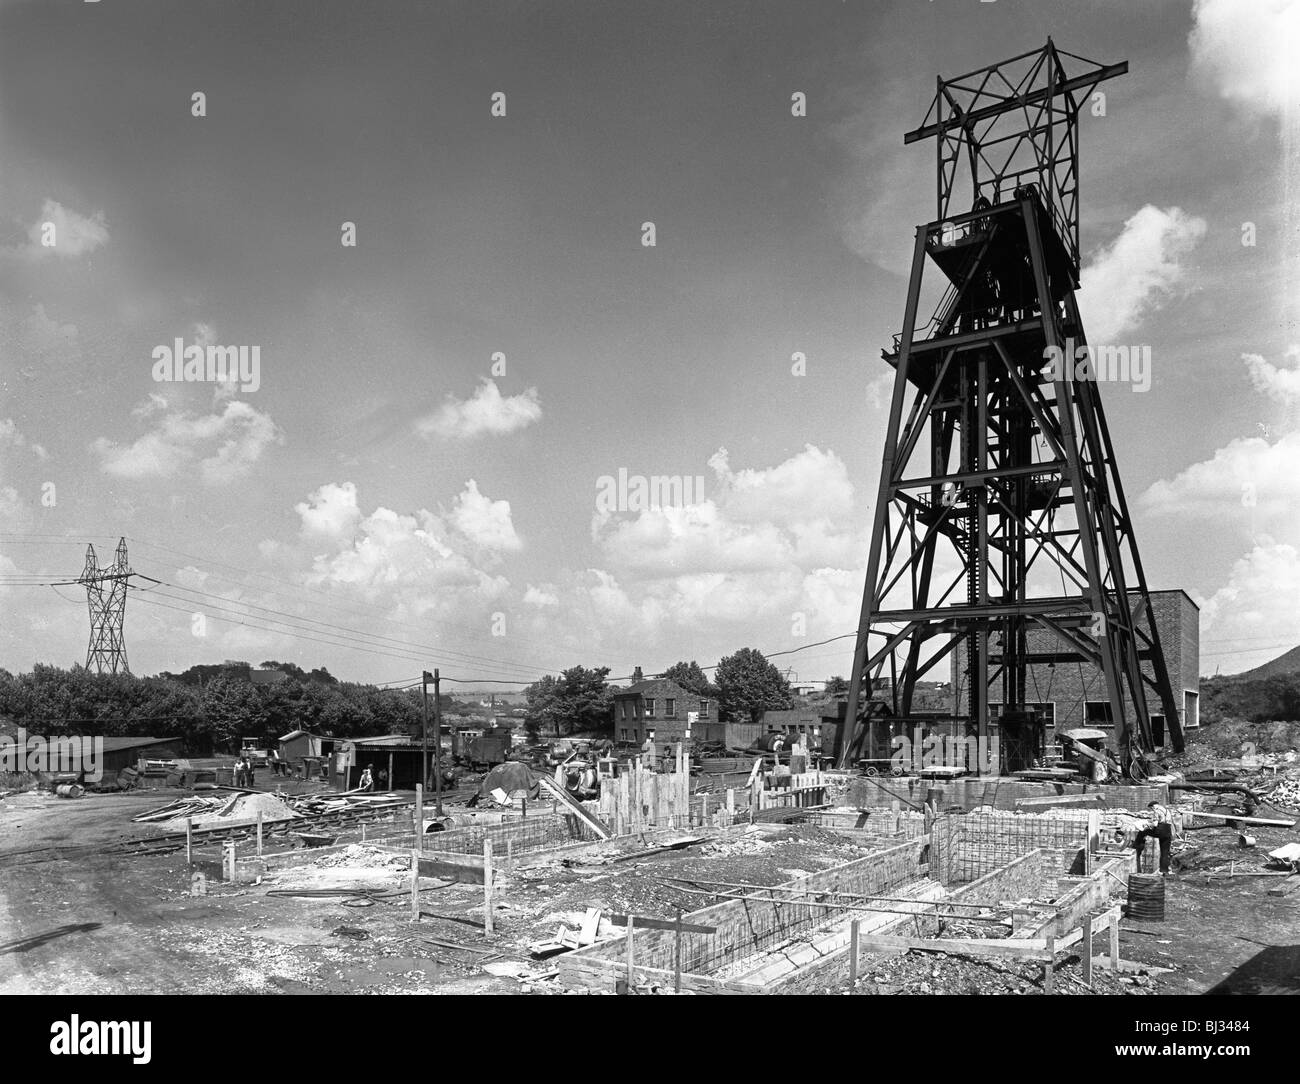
(1000, 509)
(107, 649)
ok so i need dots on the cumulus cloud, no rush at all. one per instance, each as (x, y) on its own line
(1255, 607)
(418, 562)
(545, 595)
(223, 446)
(484, 522)
(1139, 270)
(764, 548)
(1246, 51)
(1250, 479)
(61, 231)
(487, 411)
(1279, 384)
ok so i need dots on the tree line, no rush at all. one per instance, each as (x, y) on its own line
(213, 707)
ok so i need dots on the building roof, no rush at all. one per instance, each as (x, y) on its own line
(656, 687)
(782, 716)
(112, 744)
(296, 734)
(392, 740)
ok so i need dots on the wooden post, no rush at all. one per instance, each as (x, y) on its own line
(1114, 941)
(189, 841)
(677, 963)
(704, 810)
(731, 805)
(419, 816)
(259, 833)
(1049, 971)
(415, 884)
(510, 849)
(631, 921)
(487, 888)
(390, 771)
(853, 953)
(228, 854)
(1087, 949)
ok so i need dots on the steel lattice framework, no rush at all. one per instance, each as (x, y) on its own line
(106, 597)
(1000, 510)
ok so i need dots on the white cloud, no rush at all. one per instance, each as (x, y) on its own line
(1247, 49)
(1256, 614)
(331, 513)
(765, 545)
(418, 563)
(782, 519)
(486, 411)
(222, 446)
(1138, 271)
(74, 234)
(1280, 384)
(545, 595)
(484, 522)
(1249, 481)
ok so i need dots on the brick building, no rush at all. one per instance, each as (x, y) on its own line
(661, 705)
(1066, 695)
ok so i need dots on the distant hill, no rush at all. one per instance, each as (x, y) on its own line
(1283, 664)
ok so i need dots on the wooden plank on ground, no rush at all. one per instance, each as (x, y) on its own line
(660, 924)
(576, 808)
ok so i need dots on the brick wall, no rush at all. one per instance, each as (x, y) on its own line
(1068, 686)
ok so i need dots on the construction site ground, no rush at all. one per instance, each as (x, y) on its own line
(77, 918)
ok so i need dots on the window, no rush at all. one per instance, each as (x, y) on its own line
(670, 708)
(627, 709)
(1157, 730)
(625, 737)
(649, 707)
(1191, 710)
(1097, 713)
(704, 709)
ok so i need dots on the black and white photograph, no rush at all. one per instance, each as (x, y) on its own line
(657, 498)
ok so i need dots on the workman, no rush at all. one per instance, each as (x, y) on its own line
(367, 781)
(1162, 829)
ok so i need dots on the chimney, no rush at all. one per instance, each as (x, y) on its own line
(636, 674)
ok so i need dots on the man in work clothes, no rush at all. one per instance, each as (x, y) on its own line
(649, 753)
(1162, 828)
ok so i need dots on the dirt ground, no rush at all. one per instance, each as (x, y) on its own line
(76, 919)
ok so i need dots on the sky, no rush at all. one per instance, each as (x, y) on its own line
(424, 471)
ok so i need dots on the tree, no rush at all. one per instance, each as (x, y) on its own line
(836, 685)
(691, 678)
(749, 684)
(542, 705)
(579, 699)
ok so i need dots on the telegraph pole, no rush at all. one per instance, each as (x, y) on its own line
(424, 728)
(435, 677)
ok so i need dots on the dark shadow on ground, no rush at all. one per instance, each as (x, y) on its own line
(1273, 970)
(26, 944)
